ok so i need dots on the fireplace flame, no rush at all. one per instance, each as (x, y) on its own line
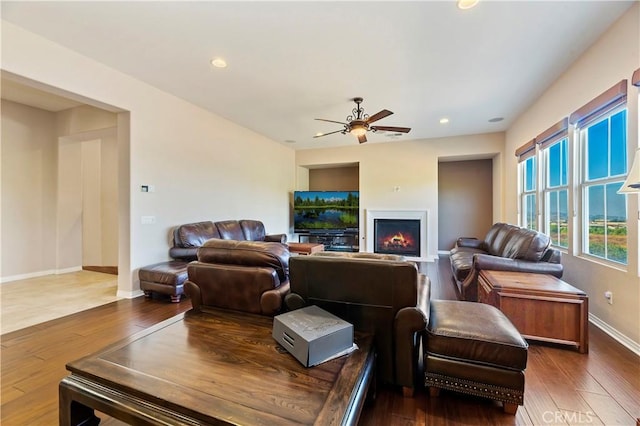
(397, 241)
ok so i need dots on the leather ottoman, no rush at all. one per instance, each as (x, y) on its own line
(473, 348)
(165, 278)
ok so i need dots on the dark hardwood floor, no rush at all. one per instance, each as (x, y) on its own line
(562, 386)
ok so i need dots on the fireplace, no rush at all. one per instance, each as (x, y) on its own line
(397, 236)
(405, 232)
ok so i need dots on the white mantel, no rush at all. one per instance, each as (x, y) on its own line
(422, 215)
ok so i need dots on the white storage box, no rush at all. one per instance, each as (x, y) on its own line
(312, 335)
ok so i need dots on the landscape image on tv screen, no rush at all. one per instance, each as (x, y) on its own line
(325, 210)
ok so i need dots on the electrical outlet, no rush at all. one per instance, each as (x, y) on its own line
(609, 296)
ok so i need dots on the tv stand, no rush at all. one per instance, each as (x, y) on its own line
(333, 241)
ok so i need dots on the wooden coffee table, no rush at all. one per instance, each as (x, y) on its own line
(542, 307)
(216, 367)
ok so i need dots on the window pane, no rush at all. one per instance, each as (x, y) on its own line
(530, 174)
(555, 168)
(564, 161)
(530, 211)
(619, 143)
(595, 213)
(563, 217)
(616, 222)
(597, 150)
(554, 226)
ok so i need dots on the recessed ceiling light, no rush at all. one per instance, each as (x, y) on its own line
(444, 120)
(289, 141)
(219, 63)
(319, 134)
(466, 4)
(496, 119)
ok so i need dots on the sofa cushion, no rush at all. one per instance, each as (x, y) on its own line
(230, 230)
(526, 244)
(253, 230)
(194, 234)
(502, 235)
(247, 253)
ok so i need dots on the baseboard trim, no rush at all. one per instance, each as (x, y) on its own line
(130, 294)
(37, 274)
(615, 334)
(113, 270)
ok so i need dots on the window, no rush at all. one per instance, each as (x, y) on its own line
(528, 195)
(556, 193)
(554, 149)
(604, 168)
(528, 174)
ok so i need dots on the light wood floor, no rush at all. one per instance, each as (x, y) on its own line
(36, 300)
(562, 386)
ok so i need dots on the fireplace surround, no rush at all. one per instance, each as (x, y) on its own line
(414, 220)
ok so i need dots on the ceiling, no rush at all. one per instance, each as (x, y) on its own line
(290, 62)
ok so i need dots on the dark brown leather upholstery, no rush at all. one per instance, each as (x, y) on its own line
(473, 348)
(187, 238)
(164, 277)
(505, 247)
(168, 277)
(248, 276)
(388, 298)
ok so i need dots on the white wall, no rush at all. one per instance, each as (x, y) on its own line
(410, 165)
(29, 164)
(202, 166)
(612, 58)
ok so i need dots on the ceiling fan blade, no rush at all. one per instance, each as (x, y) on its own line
(378, 115)
(330, 133)
(391, 129)
(362, 138)
(329, 121)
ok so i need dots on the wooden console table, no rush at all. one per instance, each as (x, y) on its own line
(542, 307)
(215, 367)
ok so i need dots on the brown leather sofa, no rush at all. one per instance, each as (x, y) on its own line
(187, 238)
(248, 276)
(505, 248)
(168, 277)
(378, 294)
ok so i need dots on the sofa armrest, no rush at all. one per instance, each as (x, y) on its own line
(182, 253)
(293, 301)
(193, 291)
(276, 238)
(271, 300)
(409, 323)
(486, 261)
(470, 242)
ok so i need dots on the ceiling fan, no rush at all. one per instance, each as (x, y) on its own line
(359, 123)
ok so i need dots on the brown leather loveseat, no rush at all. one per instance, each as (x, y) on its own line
(248, 276)
(505, 248)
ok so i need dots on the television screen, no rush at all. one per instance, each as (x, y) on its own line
(326, 211)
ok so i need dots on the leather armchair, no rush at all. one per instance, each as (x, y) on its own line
(388, 298)
(246, 276)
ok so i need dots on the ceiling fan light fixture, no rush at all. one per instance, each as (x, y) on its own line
(358, 130)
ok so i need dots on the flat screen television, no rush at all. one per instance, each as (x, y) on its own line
(326, 211)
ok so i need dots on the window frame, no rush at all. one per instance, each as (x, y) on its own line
(581, 131)
(546, 189)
